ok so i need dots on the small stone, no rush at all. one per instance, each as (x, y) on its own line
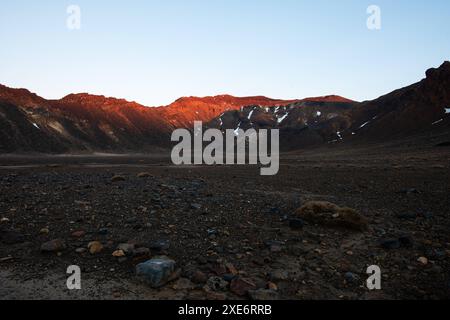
(196, 206)
(183, 284)
(103, 231)
(118, 253)
(231, 269)
(160, 245)
(296, 224)
(423, 261)
(53, 246)
(406, 242)
(217, 284)
(4, 220)
(407, 216)
(156, 272)
(127, 248)
(78, 234)
(144, 175)
(44, 231)
(240, 286)
(272, 286)
(117, 178)
(95, 247)
(11, 237)
(141, 252)
(80, 250)
(263, 295)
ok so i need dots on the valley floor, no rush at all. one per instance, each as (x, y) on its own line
(216, 221)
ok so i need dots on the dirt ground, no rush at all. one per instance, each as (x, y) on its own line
(222, 223)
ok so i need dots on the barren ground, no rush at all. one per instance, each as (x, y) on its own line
(214, 216)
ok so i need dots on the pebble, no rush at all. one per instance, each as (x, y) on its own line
(126, 248)
(95, 247)
(390, 244)
(350, 277)
(423, 261)
(117, 178)
(144, 175)
(44, 231)
(118, 253)
(263, 295)
(81, 250)
(53, 246)
(240, 286)
(217, 284)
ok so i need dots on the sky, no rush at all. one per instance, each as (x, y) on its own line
(155, 51)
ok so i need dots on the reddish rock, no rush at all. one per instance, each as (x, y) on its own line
(240, 286)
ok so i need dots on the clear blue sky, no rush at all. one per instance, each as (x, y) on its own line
(154, 51)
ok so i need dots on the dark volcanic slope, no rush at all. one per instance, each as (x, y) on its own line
(418, 108)
(83, 122)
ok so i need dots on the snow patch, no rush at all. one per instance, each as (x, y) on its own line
(251, 113)
(236, 132)
(318, 113)
(436, 122)
(364, 124)
(37, 127)
(280, 120)
(447, 110)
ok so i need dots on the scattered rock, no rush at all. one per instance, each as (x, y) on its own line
(240, 286)
(331, 215)
(127, 248)
(406, 242)
(279, 275)
(118, 254)
(11, 237)
(272, 286)
(423, 261)
(263, 295)
(352, 278)
(44, 231)
(117, 178)
(144, 175)
(156, 272)
(231, 269)
(199, 277)
(56, 245)
(95, 247)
